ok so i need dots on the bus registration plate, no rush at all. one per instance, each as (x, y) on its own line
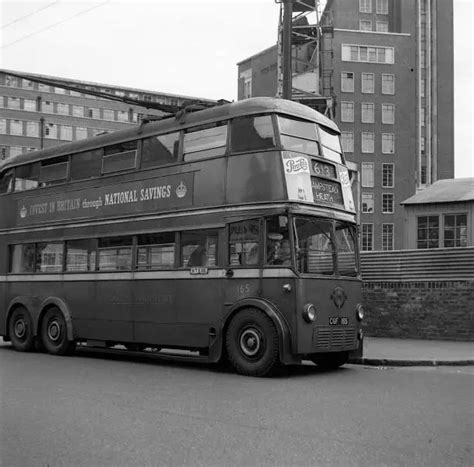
(338, 321)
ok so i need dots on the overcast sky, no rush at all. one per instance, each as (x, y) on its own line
(188, 47)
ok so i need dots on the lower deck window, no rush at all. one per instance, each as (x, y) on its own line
(115, 254)
(155, 251)
(199, 248)
(80, 255)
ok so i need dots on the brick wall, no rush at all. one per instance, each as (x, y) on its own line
(420, 310)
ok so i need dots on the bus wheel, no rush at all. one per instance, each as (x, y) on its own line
(330, 361)
(20, 328)
(54, 333)
(252, 343)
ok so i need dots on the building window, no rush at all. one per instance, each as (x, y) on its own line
(16, 127)
(122, 115)
(387, 237)
(81, 133)
(388, 143)
(66, 132)
(367, 202)
(347, 111)
(381, 7)
(94, 113)
(428, 232)
(247, 88)
(455, 230)
(3, 126)
(59, 91)
(367, 112)
(365, 25)
(367, 142)
(44, 87)
(422, 87)
(63, 109)
(78, 111)
(381, 26)
(422, 144)
(388, 84)
(365, 53)
(32, 129)
(387, 175)
(47, 107)
(422, 116)
(11, 81)
(367, 86)
(367, 174)
(109, 114)
(422, 58)
(13, 102)
(367, 237)
(347, 82)
(387, 203)
(347, 139)
(29, 105)
(27, 84)
(51, 131)
(365, 6)
(388, 113)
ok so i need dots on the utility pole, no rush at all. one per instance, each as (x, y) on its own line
(287, 31)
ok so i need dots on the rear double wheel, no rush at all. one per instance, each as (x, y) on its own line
(20, 329)
(252, 343)
(54, 333)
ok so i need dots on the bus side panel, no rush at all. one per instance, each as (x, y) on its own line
(209, 182)
(248, 177)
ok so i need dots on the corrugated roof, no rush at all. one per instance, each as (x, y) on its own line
(452, 190)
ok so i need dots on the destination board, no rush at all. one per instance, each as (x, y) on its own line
(326, 191)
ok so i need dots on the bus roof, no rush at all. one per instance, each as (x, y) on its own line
(256, 105)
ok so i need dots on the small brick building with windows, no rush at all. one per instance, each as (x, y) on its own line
(441, 216)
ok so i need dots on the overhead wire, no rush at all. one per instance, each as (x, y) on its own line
(29, 14)
(54, 24)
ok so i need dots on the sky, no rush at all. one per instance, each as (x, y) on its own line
(186, 47)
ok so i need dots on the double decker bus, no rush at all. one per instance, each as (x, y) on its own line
(228, 232)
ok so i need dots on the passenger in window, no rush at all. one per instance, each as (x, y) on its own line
(198, 257)
(278, 249)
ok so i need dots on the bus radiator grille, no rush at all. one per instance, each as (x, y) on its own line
(332, 339)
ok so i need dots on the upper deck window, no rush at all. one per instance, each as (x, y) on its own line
(27, 176)
(54, 170)
(6, 181)
(205, 142)
(120, 157)
(298, 135)
(160, 150)
(331, 144)
(252, 133)
(86, 165)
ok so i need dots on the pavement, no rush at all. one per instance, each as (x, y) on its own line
(380, 351)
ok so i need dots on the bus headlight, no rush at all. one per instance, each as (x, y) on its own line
(309, 312)
(360, 312)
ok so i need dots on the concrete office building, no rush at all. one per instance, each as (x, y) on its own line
(386, 68)
(34, 115)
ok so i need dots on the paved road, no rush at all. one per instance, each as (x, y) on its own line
(98, 410)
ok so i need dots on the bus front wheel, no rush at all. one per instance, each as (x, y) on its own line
(252, 343)
(54, 333)
(21, 330)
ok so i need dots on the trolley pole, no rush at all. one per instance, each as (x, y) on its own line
(287, 27)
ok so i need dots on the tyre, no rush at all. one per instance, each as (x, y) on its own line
(252, 343)
(54, 333)
(330, 361)
(20, 329)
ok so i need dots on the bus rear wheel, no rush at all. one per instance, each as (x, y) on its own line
(54, 333)
(330, 361)
(20, 329)
(252, 343)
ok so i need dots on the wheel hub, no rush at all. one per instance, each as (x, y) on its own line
(54, 331)
(250, 342)
(20, 328)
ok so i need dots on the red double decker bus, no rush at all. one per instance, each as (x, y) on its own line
(228, 232)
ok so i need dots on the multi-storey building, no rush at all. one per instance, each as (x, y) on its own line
(35, 115)
(387, 68)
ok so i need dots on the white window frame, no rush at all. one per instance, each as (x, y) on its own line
(51, 130)
(66, 132)
(367, 174)
(367, 202)
(365, 6)
(347, 141)
(367, 85)
(367, 142)
(79, 130)
(63, 109)
(381, 26)
(32, 129)
(388, 238)
(17, 125)
(371, 54)
(365, 25)
(347, 111)
(386, 87)
(29, 102)
(386, 197)
(362, 236)
(15, 101)
(388, 114)
(392, 170)
(367, 112)
(347, 84)
(388, 143)
(381, 7)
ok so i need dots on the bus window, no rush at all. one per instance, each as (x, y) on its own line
(205, 142)
(86, 165)
(278, 241)
(199, 248)
(155, 251)
(315, 249)
(115, 254)
(119, 157)
(27, 176)
(252, 133)
(80, 255)
(160, 150)
(298, 135)
(244, 243)
(22, 258)
(331, 144)
(6, 181)
(346, 249)
(49, 257)
(53, 171)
